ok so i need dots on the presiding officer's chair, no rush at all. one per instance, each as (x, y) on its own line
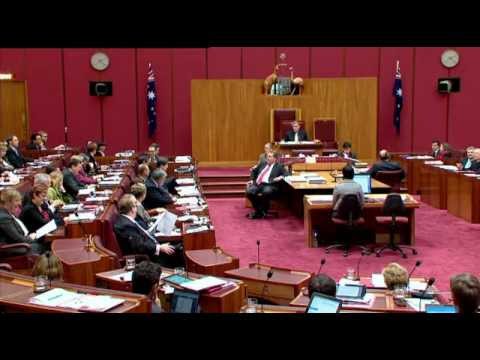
(393, 209)
(349, 217)
(392, 178)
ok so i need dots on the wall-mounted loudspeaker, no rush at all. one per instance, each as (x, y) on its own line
(448, 85)
(100, 88)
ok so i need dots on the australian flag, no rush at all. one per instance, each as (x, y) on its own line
(398, 93)
(151, 101)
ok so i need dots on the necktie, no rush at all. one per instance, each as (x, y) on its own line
(262, 174)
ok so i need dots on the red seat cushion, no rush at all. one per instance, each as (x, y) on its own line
(345, 222)
(387, 220)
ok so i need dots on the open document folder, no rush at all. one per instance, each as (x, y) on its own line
(49, 227)
(164, 223)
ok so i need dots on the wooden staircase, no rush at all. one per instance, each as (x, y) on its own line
(223, 186)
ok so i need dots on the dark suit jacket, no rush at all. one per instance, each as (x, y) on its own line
(464, 161)
(475, 166)
(32, 217)
(436, 153)
(91, 160)
(384, 166)
(10, 231)
(33, 146)
(70, 183)
(278, 170)
(131, 239)
(157, 196)
(302, 135)
(351, 156)
(16, 158)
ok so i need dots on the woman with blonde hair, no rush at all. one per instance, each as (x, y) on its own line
(56, 194)
(395, 275)
(48, 265)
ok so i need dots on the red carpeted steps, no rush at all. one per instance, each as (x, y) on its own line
(223, 182)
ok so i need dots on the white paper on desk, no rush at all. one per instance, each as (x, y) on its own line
(109, 182)
(434, 162)
(183, 159)
(345, 281)
(126, 276)
(88, 215)
(187, 200)
(46, 229)
(197, 229)
(111, 178)
(420, 157)
(175, 232)
(86, 191)
(378, 281)
(55, 297)
(185, 181)
(206, 282)
(96, 303)
(368, 299)
(164, 223)
(97, 198)
(187, 218)
(472, 175)
(295, 178)
(70, 207)
(417, 285)
(325, 198)
(448, 167)
(415, 303)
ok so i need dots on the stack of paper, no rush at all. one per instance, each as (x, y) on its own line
(415, 303)
(185, 181)
(419, 157)
(204, 283)
(195, 229)
(70, 207)
(187, 218)
(448, 167)
(183, 159)
(184, 191)
(378, 281)
(81, 216)
(72, 300)
(125, 276)
(368, 300)
(187, 201)
(294, 178)
(316, 180)
(97, 199)
(434, 162)
(83, 192)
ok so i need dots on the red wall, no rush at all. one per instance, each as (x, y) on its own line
(58, 96)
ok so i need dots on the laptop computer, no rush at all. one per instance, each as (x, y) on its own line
(440, 309)
(185, 302)
(323, 304)
(365, 180)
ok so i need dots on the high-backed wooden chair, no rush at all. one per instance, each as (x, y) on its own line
(324, 129)
(280, 122)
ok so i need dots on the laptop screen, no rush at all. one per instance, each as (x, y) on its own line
(365, 181)
(323, 304)
(185, 302)
(440, 309)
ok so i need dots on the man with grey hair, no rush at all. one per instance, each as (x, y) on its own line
(296, 134)
(385, 164)
(157, 195)
(466, 163)
(475, 161)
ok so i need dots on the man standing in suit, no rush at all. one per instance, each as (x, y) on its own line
(264, 184)
(157, 194)
(14, 156)
(436, 149)
(134, 239)
(296, 134)
(466, 163)
(70, 182)
(384, 164)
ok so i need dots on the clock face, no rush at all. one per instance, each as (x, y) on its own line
(100, 61)
(450, 58)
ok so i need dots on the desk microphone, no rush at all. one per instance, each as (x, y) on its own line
(81, 224)
(265, 286)
(258, 252)
(417, 264)
(49, 271)
(358, 266)
(422, 296)
(322, 262)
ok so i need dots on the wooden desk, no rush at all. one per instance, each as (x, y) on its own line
(288, 147)
(218, 302)
(463, 196)
(210, 262)
(318, 216)
(16, 290)
(434, 186)
(81, 265)
(412, 167)
(283, 286)
(199, 240)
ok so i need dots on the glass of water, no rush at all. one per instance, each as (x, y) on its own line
(40, 284)
(251, 305)
(129, 263)
(351, 274)
(179, 271)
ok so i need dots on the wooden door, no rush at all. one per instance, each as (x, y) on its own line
(13, 110)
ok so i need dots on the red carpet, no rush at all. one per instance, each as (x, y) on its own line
(446, 245)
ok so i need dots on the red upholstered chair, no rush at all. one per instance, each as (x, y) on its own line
(392, 210)
(324, 129)
(280, 122)
(392, 178)
(17, 261)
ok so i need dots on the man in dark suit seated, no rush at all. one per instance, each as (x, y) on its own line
(466, 163)
(436, 149)
(133, 239)
(70, 182)
(264, 184)
(476, 161)
(296, 134)
(157, 195)
(35, 142)
(170, 182)
(385, 164)
(14, 155)
(347, 152)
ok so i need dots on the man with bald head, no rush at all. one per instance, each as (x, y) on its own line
(384, 164)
